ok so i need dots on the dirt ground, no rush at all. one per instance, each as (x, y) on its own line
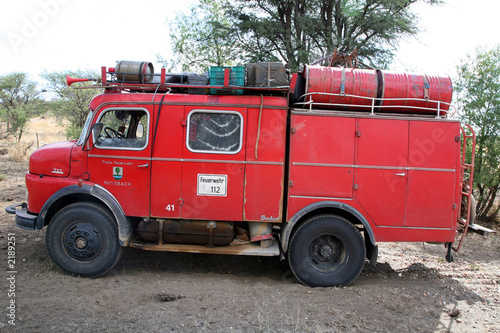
(411, 289)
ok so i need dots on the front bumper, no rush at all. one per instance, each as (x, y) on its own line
(24, 219)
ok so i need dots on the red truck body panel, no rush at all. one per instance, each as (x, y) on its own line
(402, 174)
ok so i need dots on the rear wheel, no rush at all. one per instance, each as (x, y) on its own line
(82, 240)
(327, 250)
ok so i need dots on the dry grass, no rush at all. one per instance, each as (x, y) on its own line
(39, 131)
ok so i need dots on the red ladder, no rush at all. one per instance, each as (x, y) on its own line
(464, 223)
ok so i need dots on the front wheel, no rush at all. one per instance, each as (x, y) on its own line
(82, 240)
(325, 251)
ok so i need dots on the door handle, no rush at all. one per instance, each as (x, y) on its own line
(143, 165)
(402, 174)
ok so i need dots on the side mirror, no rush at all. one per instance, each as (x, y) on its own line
(94, 133)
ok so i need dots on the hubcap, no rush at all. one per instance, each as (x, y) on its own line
(82, 241)
(327, 253)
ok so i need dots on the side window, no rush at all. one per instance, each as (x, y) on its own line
(214, 132)
(123, 129)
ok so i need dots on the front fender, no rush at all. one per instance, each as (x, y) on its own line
(74, 193)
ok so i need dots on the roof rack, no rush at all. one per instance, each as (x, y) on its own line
(376, 105)
(158, 83)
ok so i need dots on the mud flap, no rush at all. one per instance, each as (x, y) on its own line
(371, 250)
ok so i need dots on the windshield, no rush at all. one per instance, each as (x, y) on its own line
(85, 129)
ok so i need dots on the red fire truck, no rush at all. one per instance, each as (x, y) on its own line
(320, 167)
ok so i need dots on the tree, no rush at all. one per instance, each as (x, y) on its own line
(478, 88)
(71, 103)
(203, 38)
(19, 101)
(300, 31)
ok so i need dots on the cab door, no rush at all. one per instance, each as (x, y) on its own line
(213, 165)
(119, 160)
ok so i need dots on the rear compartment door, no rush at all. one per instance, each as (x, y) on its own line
(433, 164)
(322, 156)
(407, 172)
(381, 175)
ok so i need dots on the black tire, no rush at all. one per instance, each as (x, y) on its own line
(326, 251)
(82, 240)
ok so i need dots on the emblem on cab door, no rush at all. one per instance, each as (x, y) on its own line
(117, 172)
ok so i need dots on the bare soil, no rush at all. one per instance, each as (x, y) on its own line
(411, 289)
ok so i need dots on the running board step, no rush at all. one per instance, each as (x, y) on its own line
(242, 250)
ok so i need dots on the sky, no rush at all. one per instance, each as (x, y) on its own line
(37, 35)
(49, 35)
(450, 32)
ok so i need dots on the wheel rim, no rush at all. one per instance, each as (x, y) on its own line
(82, 241)
(327, 254)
